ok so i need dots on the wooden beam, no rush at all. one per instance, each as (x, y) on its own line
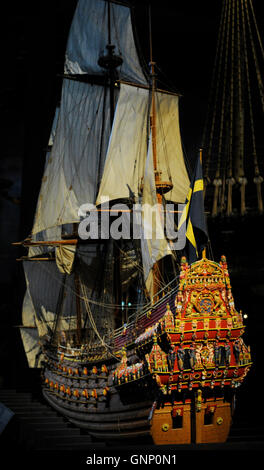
(147, 87)
(46, 243)
(26, 258)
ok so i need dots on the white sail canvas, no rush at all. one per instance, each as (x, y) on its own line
(70, 178)
(125, 160)
(89, 36)
(126, 155)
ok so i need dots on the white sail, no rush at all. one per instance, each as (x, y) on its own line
(30, 319)
(28, 311)
(89, 36)
(53, 129)
(170, 160)
(30, 339)
(70, 178)
(29, 331)
(126, 153)
(124, 166)
(38, 322)
(154, 245)
(53, 233)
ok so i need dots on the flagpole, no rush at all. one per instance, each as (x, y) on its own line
(201, 160)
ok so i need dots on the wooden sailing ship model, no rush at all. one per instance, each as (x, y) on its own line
(130, 346)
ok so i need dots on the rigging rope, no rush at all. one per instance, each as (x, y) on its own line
(227, 130)
(131, 260)
(224, 104)
(248, 82)
(256, 26)
(230, 180)
(217, 181)
(100, 304)
(92, 322)
(219, 46)
(259, 79)
(240, 164)
(257, 178)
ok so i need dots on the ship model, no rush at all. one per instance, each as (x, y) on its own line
(135, 339)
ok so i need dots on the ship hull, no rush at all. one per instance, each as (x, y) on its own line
(107, 412)
(120, 422)
(131, 422)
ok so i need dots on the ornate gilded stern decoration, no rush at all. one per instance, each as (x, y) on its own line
(207, 341)
(204, 334)
(205, 290)
(206, 356)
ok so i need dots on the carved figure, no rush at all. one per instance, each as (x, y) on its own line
(219, 307)
(217, 354)
(192, 308)
(236, 347)
(227, 354)
(210, 347)
(192, 356)
(171, 359)
(198, 358)
(180, 356)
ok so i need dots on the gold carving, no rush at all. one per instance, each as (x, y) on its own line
(165, 427)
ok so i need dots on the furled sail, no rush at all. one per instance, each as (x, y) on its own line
(126, 155)
(65, 257)
(89, 35)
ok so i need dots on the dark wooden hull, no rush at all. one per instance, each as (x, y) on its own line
(116, 422)
(123, 413)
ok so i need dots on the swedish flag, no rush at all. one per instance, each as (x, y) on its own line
(194, 217)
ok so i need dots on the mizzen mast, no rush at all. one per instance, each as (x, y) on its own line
(162, 187)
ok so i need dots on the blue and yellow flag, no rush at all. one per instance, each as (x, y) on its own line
(194, 217)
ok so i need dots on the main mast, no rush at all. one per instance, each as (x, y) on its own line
(110, 61)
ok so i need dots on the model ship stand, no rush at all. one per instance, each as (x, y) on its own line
(183, 368)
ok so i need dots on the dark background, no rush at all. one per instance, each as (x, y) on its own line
(33, 40)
